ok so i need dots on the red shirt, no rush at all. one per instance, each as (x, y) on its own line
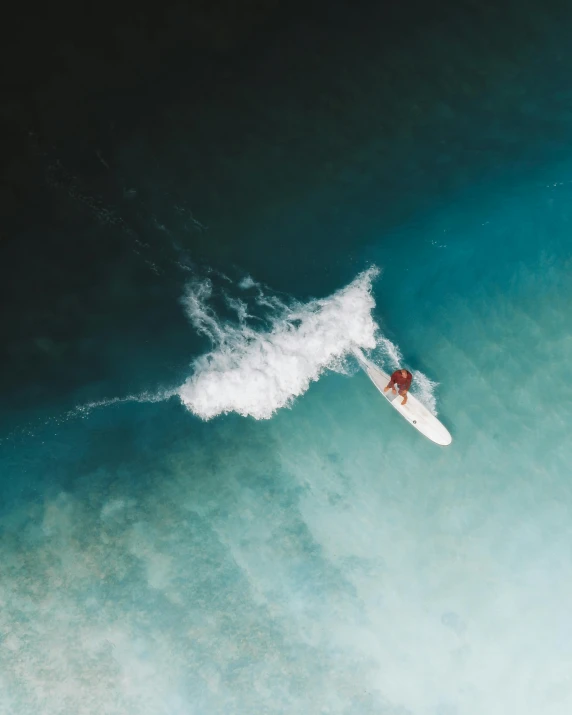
(404, 383)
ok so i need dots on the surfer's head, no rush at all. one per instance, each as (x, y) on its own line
(404, 373)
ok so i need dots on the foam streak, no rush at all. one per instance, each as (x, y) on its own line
(255, 372)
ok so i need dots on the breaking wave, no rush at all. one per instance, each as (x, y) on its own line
(271, 349)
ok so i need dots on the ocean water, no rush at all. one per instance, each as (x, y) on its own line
(206, 507)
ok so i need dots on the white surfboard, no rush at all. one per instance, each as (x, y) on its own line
(413, 411)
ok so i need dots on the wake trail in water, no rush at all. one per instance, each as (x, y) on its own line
(32, 428)
(261, 363)
(88, 407)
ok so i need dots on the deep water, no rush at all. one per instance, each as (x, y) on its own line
(205, 507)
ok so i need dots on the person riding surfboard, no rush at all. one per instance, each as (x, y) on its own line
(402, 378)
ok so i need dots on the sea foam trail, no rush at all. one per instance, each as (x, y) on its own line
(255, 371)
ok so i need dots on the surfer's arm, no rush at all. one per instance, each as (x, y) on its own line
(391, 382)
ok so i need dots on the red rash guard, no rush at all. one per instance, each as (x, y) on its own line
(404, 383)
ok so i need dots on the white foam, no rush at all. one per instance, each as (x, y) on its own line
(146, 396)
(424, 390)
(390, 353)
(255, 372)
(247, 282)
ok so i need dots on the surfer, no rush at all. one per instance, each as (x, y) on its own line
(401, 378)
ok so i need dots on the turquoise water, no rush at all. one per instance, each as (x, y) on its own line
(206, 507)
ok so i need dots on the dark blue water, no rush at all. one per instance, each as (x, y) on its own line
(303, 550)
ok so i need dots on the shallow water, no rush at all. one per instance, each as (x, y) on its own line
(206, 507)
